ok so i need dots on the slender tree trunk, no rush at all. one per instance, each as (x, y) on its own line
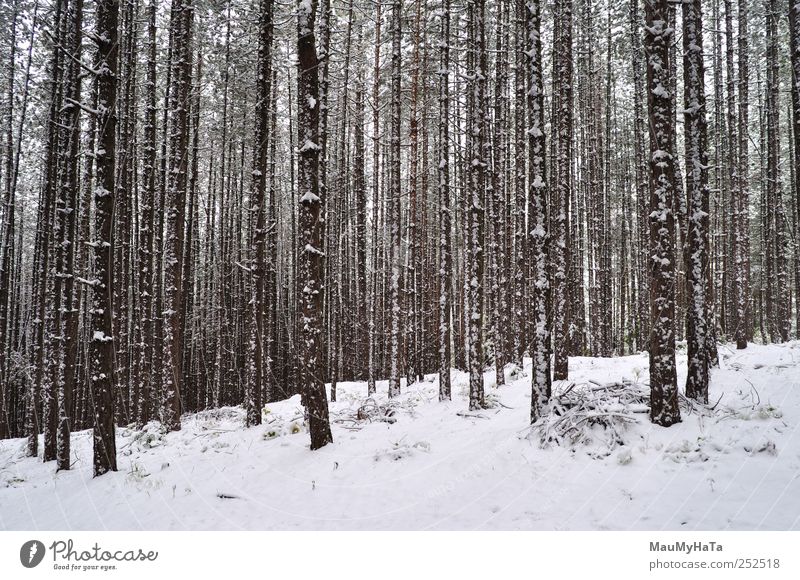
(742, 250)
(102, 346)
(258, 267)
(561, 193)
(445, 221)
(181, 25)
(794, 50)
(395, 308)
(696, 146)
(477, 149)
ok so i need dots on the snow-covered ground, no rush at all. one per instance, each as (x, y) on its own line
(431, 465)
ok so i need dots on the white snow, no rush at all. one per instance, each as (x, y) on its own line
(432, 465)
(309, 197)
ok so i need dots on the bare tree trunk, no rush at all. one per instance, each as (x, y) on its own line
(394, 215)
(181, 24)
(312, 267)
(696, 147)
(541, 298)
(477, 149)
(561, 193)
(744, 323)
(102, 346)
(445, 221)
(66, 215)
(258, 267)
(663, 381)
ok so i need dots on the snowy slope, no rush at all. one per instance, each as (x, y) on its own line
(428, 466)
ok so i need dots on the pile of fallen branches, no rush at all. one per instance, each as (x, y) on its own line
(371, 411)
(582, 413)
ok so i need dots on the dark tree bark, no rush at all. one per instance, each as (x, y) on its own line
(696, 146)
(147, 254)
(181, 29)
(641, 171)
(663, 380)
(477, 149)
(445, 222)
(541, 294)
(561, 192)
(373, 296)
(794, 51)
(102, 346)
(312, 267)
(66, 215)
(258, 268)
(394, 215)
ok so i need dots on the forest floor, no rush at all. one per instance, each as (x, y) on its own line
(416, 463)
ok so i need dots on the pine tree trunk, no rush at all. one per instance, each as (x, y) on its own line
(66, 215)
(394, 211)
(181, 25)
(794, 51)
(102, 346)
(541, 293)
(147, 264)
(445, 221)
(477, 148)
(312, 267)
(643, 296)
(696, 147)
(742, 251)
(561, 193)
(258, 187)
(663, 381)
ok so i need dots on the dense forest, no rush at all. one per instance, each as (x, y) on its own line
(209, 203)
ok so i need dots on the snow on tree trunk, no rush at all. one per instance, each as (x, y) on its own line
(477, 148)
(257, 218)
(394, 214)
(445, 222)
(311, 267)
(696, 147)
(794, 48)
(663, 381)
(538, 225)
(181, 28)
(562, 191)
(102, 346)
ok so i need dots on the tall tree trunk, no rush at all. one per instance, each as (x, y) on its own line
(445, 221)
(147, 263)
(696, 146)
(541, 298)
(742, 250)
(102, 346)
(663, 380)
(258, 269)
(181, 28)
(312, 267)
(641, 171)
(562, 192)
(395, 308)
(373, 297)
(794, 51)
(66, 215)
